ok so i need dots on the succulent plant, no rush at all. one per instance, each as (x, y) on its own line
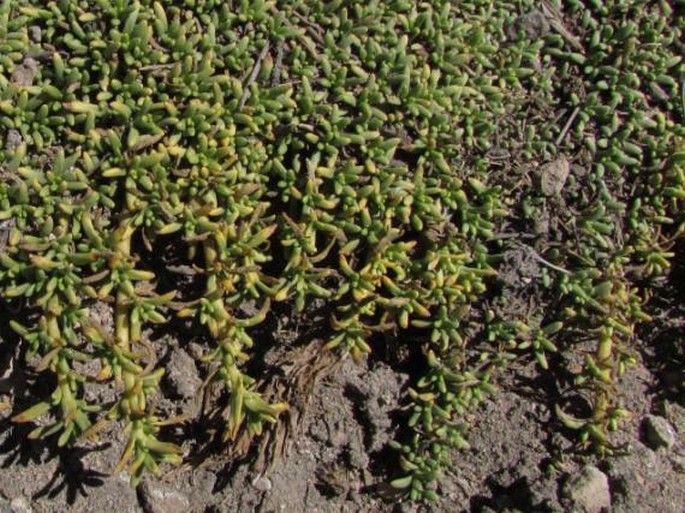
(347, 151)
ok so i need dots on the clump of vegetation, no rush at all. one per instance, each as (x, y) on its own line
(379, 155)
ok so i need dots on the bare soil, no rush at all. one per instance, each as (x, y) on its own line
(331, 453)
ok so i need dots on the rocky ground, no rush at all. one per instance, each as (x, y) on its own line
(331, 453)
(519, 459)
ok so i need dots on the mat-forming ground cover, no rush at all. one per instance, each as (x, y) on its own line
(386, 158)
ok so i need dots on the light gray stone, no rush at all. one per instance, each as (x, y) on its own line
(588, 490)
(160, 498)
(14, 139)
(182, 375)
(20, 505)
(25, 72)
(36, 33)
(658, 432)
(263, 484)
(553, 176)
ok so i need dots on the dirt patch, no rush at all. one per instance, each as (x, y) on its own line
(519, 460)
(332, 466)
(333, 454)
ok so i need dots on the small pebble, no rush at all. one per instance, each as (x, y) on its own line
(658, 432)
(13, 139)
(182, 375)
(159, 498)
(588, 490)
(20, 505)
(262, 484)
(35, 33)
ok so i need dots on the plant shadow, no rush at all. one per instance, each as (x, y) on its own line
(662, 345)
(71, 476)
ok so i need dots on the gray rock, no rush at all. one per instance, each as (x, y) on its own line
(553, 176)
(533, 25)
(20, 505)
(36, 33)
(160, 498)
(588, 490)
(25, 72)
(182, 375)
(262, 484)
(658, 432)
(13, 139)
